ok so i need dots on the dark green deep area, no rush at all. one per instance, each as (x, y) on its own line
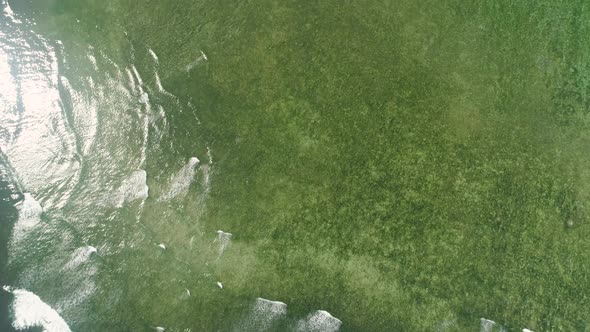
(400, 164)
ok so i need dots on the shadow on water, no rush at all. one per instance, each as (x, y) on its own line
(8, 217)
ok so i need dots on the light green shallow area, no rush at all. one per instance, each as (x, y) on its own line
(403, 165)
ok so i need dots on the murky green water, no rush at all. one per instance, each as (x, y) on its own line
(295, 165)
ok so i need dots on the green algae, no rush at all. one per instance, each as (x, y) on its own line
(403, 165)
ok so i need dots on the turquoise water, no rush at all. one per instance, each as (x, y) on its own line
(294, 165)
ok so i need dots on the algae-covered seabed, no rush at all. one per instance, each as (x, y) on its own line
(405, 165)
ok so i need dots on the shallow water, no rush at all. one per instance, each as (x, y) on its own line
(292, 166)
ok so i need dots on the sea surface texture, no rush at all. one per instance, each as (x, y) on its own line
(308, 166)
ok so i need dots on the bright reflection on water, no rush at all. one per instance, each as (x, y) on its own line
(75, 145)
(77, 133)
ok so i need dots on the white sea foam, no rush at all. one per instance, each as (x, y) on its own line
(265, 314)
(8, 12)
(209, 156)
(7, 9)
(224, 241)
(30, 208)
(153, 54)
(487, 325)
(206, 177)
(319, 321)
(139, 80)
(144, 98)
(133, 188)
(160, 88)
(158, 82)
(199, 59)
(131, 79)
(30, 311)
(181, 180)
(93, 61)
(80, 256)
(29, 216)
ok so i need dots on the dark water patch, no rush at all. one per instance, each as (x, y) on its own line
(9, 196)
